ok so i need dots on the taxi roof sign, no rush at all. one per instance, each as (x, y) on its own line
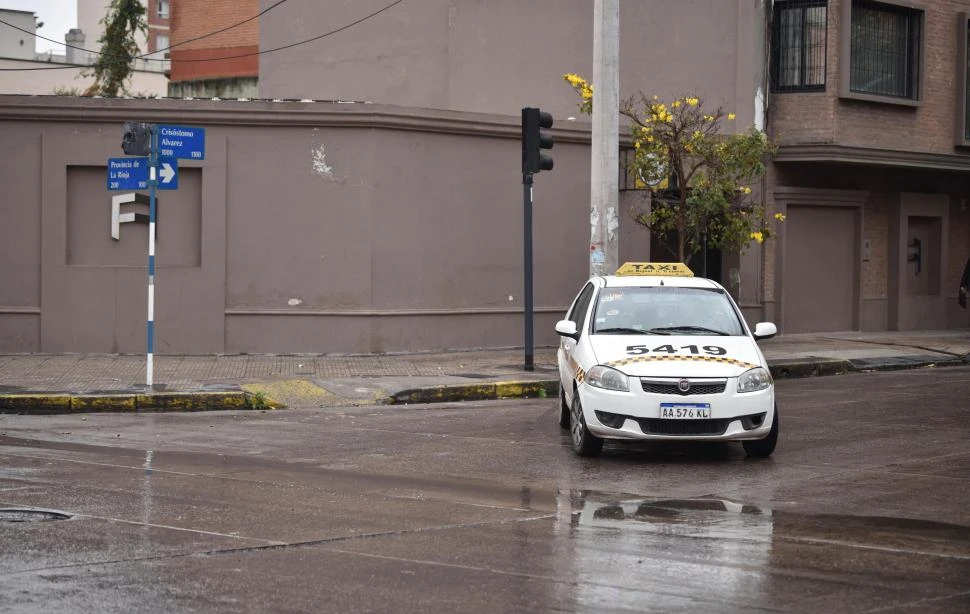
(668, 269)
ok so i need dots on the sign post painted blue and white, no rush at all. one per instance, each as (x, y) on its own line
(181, 142)
(159, 171)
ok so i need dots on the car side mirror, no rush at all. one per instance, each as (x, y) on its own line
(764, 330)
(567, 328)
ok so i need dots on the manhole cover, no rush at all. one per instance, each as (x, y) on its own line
(16, 515)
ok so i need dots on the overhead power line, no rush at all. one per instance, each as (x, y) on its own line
(228, 57)
(138, 57)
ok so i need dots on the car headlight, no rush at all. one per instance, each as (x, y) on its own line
(608, 378)
(755, 379)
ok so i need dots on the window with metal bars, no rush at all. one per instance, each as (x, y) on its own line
(963, 80)
(798, 41)
(885, 47)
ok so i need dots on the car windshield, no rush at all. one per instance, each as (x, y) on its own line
(665, 310)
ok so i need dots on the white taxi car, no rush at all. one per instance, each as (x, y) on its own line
(654, 353)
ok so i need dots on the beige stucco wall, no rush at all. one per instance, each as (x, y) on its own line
(497, 56)
(53, 77)
(308, 227)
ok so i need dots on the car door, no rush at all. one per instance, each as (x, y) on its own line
(567, 345)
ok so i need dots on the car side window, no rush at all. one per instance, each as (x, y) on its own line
(578, 314)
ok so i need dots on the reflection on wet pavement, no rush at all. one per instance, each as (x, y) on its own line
(720, 551)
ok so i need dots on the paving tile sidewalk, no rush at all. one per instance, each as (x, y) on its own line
(111, 382)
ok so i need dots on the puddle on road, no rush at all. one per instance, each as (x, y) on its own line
(723, 519)
(31, 515)
(596, 513)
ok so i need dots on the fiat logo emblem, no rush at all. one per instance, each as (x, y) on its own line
(683, 385)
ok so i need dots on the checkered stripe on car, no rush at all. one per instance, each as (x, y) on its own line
(680, 357)
(579, 373)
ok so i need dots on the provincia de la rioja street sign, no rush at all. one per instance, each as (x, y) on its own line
(132, 173)
(181, 142)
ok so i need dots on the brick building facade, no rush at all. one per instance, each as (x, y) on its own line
(865, 99)
(224, 64)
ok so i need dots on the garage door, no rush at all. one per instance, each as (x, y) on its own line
(820, 269)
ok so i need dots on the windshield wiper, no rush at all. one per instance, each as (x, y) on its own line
(666, 330)
(627, 331)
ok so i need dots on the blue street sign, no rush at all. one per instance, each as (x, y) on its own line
(181, 142)
(168, 174)
(127, 173)
(133, 174)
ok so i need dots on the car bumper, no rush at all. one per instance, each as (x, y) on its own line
(636, 415)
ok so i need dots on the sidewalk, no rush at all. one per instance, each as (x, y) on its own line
(62, 383)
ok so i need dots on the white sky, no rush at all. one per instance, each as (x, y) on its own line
(58, 16)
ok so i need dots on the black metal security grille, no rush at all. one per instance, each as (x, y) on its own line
(672, 388)
(799, 34)
(657, 426)
(885, 49)
(966, 98)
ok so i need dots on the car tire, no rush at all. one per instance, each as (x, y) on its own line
(762, 448)
(584, 442)
(564, 419)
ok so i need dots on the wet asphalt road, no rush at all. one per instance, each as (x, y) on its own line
(482, 507)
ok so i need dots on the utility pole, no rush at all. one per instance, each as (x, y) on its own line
(604, 220)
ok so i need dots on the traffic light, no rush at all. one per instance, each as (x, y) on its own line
(534, 140)
(137, 139)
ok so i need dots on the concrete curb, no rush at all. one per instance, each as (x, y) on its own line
(817, 367)
(135, 402)
(814, 367)
(476, 392)
(61, 403)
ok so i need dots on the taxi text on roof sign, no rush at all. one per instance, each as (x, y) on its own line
(672, 269)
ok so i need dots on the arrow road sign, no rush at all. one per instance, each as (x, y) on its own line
(132, 174)
(127, 173)
(181, 142)
(168, 176)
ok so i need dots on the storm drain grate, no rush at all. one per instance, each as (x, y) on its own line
(22, 515)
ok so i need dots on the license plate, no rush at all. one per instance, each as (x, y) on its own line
(685, 411)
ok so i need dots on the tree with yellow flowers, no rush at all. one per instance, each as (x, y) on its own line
(699, 178)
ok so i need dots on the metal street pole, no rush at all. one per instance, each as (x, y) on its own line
(605, 167)
(152, 185)
(527, 260)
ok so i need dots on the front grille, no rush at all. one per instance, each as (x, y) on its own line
(656, 426)
(671, 387)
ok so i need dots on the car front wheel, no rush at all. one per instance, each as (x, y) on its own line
(584, 442)
(762, 448)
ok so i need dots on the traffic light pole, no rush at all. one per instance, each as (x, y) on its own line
(527, 255)
(534, 140)
(152, 185)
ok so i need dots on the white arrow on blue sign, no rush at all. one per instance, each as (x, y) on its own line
(168, 176)
(132, 174)
(181, 142)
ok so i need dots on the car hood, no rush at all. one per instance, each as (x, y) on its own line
(677, 355)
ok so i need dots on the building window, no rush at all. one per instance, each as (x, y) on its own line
(966, 78)
(963, 80)
(162, 8)
(161, 43)
(885, 49)
(799, 37)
